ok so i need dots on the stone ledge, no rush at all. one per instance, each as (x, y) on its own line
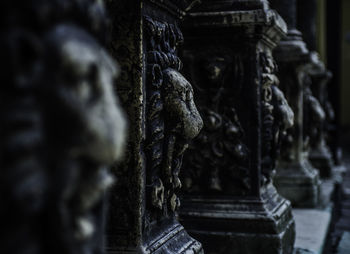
(312, 227)
(344, 245)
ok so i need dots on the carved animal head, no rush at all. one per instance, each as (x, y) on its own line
(68, 126)
(92, 120)
(86, 128)
(180, 105)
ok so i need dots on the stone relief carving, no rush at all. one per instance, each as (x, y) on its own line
(284, 113)
(173, 119)
(287, 147)
(218, 158)
(319, 108)
(277, 116)
(184, 124)
(314, 116)
(61, 125)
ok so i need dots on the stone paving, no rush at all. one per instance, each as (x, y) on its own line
(311, 230)
(341, 231)
(344, 244)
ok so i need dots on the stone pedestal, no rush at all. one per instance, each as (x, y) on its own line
(229, 203)
(299, 182)
(320, 154)
(295, 179)
(240, 225)
(317, 123)
(163, 118)
(322, 159)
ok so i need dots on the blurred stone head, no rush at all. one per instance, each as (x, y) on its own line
(84, 89)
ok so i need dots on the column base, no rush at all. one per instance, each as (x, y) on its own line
(246, 226)
(299, 182)
(168, 237)
(171, 238)
(322, 160)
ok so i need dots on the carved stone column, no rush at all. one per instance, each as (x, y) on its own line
(317, 123)
(229, 203)
(163, 119)
(318, 116)
(296, 179)
(61, 126)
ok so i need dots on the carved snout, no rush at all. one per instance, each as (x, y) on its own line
(180, 106)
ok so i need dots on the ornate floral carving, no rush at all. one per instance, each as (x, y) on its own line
(218, 158)
(277, 116)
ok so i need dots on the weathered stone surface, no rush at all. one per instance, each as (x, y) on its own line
(124, 225)
(234, 225)
(311, 229)
(230, 5)
(216, 128)
(164, 118)
(229, 203)
(344, 245)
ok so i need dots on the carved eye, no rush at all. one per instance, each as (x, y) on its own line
(92, 86)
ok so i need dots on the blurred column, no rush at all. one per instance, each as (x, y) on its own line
(306, 21)
(334, 12)
(317, 123)
(296, 179)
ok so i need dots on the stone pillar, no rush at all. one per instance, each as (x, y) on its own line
(296, 179)
(319, 115)
(288, 10)
(334, 54)
(317, 123)
(61, 127)
(163, 119)
(306, 21)
(229, 203)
